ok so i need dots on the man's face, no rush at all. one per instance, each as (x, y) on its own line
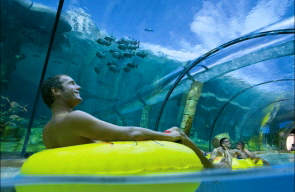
(71, 92)
(226, 143)
(239, 146)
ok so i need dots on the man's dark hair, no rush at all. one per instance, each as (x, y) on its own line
(221, 141)
(241, 143)
(51, 82)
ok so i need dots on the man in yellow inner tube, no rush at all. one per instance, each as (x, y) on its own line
(241, 146)
(69, 127)
(248, 154)
(225, 151)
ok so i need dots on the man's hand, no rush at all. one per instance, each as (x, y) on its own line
(243, 156)
(185, 140)
(181, 136)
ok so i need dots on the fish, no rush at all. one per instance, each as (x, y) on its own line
(126, 69)
(141, 54)
(110, 38)
(111, 63)
(113, 50)
(36, 55)
(135, 42)
(122, 47)
(5, 98)
(128, 54)
(149, 29)
(97, 70)
(19, 57)
(103, 42)
(15, 107)
(114, 69)
(132, 65)
(117, 55)
(100, 54)
(126, 40)
(132, 47)
(120, 42)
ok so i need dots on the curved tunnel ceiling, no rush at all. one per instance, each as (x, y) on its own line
(232, 118)
(284, 101)
(266, 73)
(240, 94)
(234, 61)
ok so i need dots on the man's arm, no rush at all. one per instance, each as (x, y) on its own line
(189, 143)
(250, 154)
(85, 125)
(213, 154)
(226, 162)
(238, 153)
(90, 127)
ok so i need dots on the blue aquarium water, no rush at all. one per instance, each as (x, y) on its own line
(277, 178)
(273, 179)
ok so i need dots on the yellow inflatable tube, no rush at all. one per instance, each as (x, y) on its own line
(239, 163)
(113, 159)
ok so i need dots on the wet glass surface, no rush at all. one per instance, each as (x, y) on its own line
(248, 87)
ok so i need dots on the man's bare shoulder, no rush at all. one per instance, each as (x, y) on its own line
(88, 126)
(219, 149)
(77, 119)
(81, 119)
(78, 112)
(79, 115)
